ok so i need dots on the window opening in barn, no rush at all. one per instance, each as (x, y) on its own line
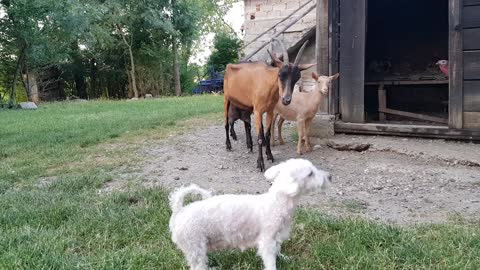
(405, 40)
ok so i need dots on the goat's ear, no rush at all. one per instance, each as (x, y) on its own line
(314, 76)
(272, 172)
(305, 66)
(275, 61)
(334, 77)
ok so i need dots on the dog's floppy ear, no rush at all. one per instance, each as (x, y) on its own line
(288, 186)
(272, 172)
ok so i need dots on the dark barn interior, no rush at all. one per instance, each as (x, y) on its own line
(405, 39)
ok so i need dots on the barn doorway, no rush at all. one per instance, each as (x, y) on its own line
(404, 41)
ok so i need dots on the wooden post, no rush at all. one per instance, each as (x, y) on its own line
(322, 45)
(455, 57)
(333, 54)
(382, 102)
(352, 60)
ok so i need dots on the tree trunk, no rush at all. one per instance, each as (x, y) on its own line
(176, 70)
(132, 63)
(13, 94)
(80, 84)
(32, 87)
(93, 77)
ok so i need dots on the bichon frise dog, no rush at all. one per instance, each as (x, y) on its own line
(243, 221)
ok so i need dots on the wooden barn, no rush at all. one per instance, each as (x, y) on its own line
(388, 53)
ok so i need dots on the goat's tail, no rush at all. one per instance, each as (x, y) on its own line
(177, 197)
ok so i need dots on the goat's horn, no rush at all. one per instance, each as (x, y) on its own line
(284, 51)
(299, 54)
(271, 55)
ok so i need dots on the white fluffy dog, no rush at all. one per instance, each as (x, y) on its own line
(243, 221)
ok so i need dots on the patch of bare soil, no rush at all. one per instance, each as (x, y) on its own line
(396, 180)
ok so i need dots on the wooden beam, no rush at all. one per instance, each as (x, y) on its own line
(440, 132)
(455, 56)
(333, 54)
(414, 115)
(352, 60)
(321, 45)
(382, 102)
(421, 82)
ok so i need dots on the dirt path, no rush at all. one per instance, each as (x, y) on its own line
(398, 180)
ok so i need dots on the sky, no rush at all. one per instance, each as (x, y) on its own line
(234, 18)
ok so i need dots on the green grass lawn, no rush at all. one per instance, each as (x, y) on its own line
(54, 160)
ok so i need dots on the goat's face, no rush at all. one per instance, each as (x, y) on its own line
(288, 74)
(323, 83)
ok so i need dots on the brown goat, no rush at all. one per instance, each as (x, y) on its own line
(257, 87)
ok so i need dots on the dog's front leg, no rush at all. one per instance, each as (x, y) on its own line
(268, 251)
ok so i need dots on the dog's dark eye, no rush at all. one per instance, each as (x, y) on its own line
(311, 174)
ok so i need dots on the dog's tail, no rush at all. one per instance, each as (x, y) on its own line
(177, 197)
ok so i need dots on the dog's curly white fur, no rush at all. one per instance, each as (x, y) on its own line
(243, 221)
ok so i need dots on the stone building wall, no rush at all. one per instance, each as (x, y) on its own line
(261, 15)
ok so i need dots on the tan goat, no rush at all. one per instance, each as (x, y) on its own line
(303, 108)
(257, 87)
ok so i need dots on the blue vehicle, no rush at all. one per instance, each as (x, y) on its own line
(213, 85)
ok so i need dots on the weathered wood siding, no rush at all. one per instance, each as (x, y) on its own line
(471, 63)
(352, 60)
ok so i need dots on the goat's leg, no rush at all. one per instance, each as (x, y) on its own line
(280, 124)
(267, 138)
(248, 134)
(308, 123)
(232, 131)
(272, 129)
(260, 138)
(300, 128)
(226, 105)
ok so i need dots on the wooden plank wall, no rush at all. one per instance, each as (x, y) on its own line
(471, 63)
(352, 60)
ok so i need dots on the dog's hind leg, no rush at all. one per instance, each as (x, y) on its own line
(196, 256)
(268, 250)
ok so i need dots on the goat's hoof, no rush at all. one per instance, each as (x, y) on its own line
(234, 136)
(281, 142)
(308, 149)
(229, 147)
(299, 153)
(270, 157)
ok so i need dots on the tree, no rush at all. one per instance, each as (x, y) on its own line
(225, 50)
(105, 48)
